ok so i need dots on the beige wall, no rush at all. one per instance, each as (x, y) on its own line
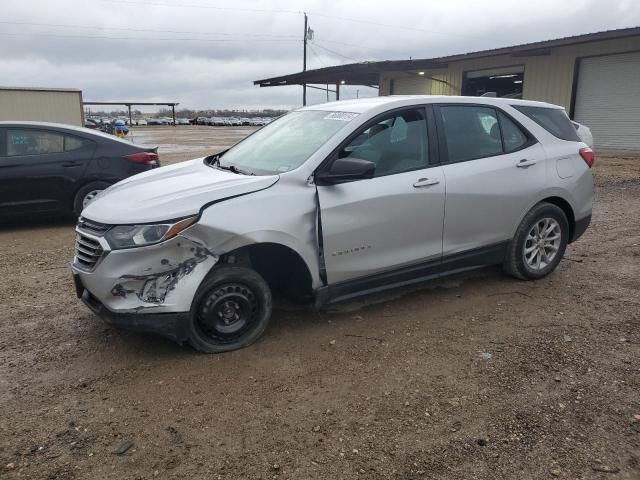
(547, 78)
(41, 106)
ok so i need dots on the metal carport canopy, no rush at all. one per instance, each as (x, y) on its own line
(173, 106)
(366, 73)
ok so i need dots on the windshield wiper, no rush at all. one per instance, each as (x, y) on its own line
(215, 162)
(232, 168)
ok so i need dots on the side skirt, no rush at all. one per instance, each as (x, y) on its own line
(458, 262)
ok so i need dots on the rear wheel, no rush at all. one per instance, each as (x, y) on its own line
(87, 194)
(231, 310)
(539, 243)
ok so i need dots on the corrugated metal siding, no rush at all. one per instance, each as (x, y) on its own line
(547, 78)
(41, 106)
(608, 100)
(412, 83)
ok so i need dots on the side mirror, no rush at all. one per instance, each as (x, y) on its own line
(346, 170)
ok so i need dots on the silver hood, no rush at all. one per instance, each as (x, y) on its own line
(170, 192)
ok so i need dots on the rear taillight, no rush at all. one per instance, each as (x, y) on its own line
(588, 156)
(145, 158)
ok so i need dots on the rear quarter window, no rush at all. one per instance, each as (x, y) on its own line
(72, 143)
(553, 120)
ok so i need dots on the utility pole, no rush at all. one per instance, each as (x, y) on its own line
(304, 61)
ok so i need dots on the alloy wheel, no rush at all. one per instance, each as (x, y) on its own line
(542, 244)
(89, 197)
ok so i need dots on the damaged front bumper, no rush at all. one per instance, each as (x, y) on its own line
(174, 326)
(146, 288)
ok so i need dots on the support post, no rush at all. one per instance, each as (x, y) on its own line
(304, 61)
(130, 120)
(173, 111)
(337, 91)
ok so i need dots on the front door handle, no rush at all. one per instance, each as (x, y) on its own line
(71, 164)
(426, 182)
(524, 163)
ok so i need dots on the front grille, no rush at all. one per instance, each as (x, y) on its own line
(92, 227)
(88, 251)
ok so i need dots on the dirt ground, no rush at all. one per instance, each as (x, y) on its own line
(473, 377)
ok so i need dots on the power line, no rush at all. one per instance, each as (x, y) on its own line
(276, 38)
(324, 40)
(399, 27)
(315, 54)
(99, 27)
(174, 39)
(211, 7)
(296, 12)
(336, 53)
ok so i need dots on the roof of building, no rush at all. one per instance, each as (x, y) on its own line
(41, 89)
(368, 73)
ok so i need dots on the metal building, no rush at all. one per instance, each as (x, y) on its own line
(59, 105)
(596, 77)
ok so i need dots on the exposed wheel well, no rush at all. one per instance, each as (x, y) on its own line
(566, 208)
(283, 269)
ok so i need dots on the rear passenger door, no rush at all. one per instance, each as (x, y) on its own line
(493, 169)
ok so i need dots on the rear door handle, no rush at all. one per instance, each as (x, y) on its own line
(524, 163)
(71, 164)
(426, 182)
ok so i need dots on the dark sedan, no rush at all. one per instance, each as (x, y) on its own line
(50, 167)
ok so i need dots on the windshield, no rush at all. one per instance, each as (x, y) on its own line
(286, 143)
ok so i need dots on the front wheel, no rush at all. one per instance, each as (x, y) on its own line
(231, 310)
(539, 243)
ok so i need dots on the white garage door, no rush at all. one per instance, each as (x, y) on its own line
(608, 100)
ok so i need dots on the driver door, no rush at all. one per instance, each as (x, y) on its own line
(391, 223)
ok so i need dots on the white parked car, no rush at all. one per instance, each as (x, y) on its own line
(330, 202)
(142, 121)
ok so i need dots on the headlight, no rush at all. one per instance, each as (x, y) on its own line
(127, 236)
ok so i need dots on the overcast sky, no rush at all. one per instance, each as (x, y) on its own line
(206, 54)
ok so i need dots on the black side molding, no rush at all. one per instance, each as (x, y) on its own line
(421, 272)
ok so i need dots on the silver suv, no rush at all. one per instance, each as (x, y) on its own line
(330, 202)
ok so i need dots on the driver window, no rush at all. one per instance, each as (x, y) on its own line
(395, 144)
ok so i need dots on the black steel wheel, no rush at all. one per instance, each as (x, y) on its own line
(231, 310)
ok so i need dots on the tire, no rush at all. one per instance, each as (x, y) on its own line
(86, 190)
(230, 310)
(521, 260)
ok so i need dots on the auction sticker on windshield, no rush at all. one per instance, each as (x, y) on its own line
(344, 116)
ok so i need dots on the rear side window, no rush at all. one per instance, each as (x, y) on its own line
(553, 120)
(33, 142)
(512, 136)
(471, 132)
